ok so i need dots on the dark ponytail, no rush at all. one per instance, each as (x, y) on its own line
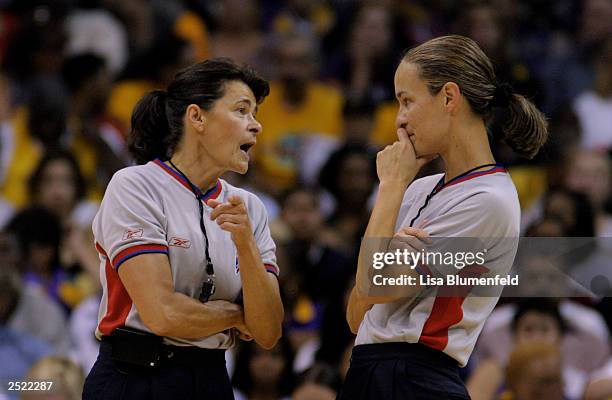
(150, 136)
(157, 120)
(525, 129)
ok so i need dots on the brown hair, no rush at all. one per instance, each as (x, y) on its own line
(459, 59)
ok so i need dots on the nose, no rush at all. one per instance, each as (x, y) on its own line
(400, 120)
(255, 127)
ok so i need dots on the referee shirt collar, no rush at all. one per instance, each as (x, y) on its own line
(211, 193)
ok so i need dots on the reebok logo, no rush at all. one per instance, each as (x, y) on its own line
(132, 234)
(178, 242)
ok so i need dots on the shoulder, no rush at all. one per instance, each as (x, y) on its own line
(137, 176)
(421, 186)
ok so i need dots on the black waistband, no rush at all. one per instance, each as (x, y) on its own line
(184, 355)
(416, 352)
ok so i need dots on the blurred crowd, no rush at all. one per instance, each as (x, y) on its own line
(71, 72)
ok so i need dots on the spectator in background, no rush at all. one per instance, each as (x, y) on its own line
(39, 235)
(6, 139)
(594, 106)
(573, 209)
(33, 128)
(299, 112)
(37, 47)
(34, 314)
(350, 177)
(264, 374)
(319, 382)
(152, 70)
(308, 16)
(58, 186)
(538, 319)
(567, 69)
(237, 32)
(589, 172)
(18, 350)
(96, 140)
(316, 271)
(534, 372)
(366, 59)
(66, 376)
(358, 121)
(92, 29)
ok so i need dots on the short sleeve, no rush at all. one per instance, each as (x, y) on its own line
(261, 231)
(130, 220)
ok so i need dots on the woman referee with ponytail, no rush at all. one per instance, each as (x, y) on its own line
(187, 261)
(411, 347)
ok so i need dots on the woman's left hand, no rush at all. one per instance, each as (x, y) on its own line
(232, 217)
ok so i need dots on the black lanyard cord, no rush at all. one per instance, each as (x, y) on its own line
(210, 270)
(440, 185)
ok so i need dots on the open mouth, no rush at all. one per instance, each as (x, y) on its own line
(245, 147)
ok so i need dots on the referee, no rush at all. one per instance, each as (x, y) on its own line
(411, 347)
(187, 261)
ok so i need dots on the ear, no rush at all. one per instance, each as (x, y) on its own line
(451, 95)
(196, 117)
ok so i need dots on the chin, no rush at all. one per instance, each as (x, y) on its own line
(240, 168)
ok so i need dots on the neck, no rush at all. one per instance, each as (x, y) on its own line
(468, 148)
(200, 172)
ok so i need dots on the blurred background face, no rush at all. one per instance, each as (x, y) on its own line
(372, 29)
(57, 191)
(589, 173)
(535, 326)
(596, 17)
(355, 179)
(301, 213)
(296, 60)
(542, 379)
(237, 15)
(483, 28)
(266, 366)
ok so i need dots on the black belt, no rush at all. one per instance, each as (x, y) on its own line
(147, 350)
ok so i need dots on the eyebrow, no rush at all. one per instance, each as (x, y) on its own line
(249, 102)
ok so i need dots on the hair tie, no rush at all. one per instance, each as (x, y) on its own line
(502, 95)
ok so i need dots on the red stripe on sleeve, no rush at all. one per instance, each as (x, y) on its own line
(138, 249)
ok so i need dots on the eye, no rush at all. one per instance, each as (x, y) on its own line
(242, 110)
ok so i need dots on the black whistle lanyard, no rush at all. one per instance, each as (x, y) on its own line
(208, 286)
(441, 185)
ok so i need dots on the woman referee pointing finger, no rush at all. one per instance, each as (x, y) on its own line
(411, 347)
(187, 261)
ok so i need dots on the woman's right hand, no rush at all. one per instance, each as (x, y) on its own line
(398, 163)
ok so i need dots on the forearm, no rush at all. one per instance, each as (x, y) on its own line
(380, 229)
(355, 310)
(188, 318)
(263, 309)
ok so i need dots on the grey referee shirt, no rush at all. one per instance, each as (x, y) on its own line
(151, 209)
(481, 205)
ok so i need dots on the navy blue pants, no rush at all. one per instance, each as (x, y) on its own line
(402, 371)
(110, 379)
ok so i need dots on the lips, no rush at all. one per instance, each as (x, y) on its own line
(245, 147)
